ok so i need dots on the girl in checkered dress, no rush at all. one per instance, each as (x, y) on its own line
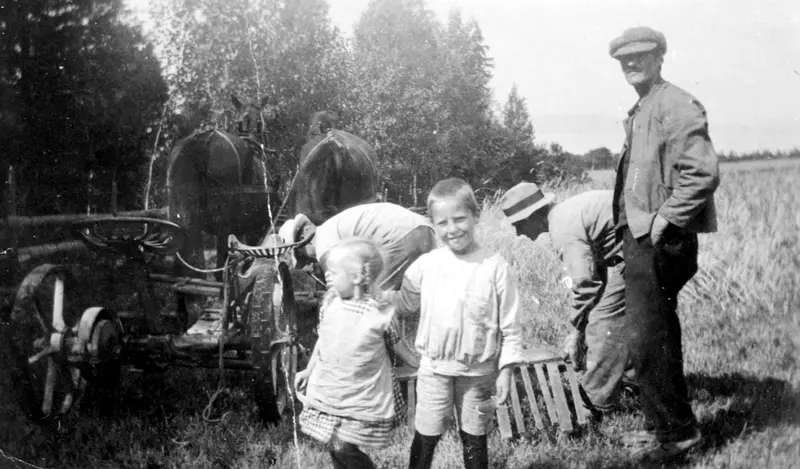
(351, 398)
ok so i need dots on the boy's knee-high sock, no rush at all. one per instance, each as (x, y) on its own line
(349, 456)
(422, 449)
(476, 451)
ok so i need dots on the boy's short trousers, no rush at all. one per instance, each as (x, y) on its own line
(436, 395)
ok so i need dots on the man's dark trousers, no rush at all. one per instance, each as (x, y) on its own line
(653, 278)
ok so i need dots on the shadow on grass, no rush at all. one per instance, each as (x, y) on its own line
(754, 404)
(732, 405)
(729, 407)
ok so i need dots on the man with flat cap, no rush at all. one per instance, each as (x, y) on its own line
(583, 234)
(663, 197)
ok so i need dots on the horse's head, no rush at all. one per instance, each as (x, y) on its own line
(320, 123)
(251, 116)
(251, 119)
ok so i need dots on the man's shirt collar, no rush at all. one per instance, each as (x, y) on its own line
(656, 86)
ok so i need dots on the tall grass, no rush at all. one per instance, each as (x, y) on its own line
(741, 331)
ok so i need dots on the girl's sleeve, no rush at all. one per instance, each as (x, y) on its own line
(407, 299)
(511, 351)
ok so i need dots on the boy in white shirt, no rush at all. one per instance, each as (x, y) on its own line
(468, 335)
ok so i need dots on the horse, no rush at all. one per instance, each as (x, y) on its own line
(221, 183)
(337, 170)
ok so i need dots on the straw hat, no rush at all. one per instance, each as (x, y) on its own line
(519, 202)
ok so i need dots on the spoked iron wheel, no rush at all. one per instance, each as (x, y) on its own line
(43, 329)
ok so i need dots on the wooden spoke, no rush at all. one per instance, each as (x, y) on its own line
(58, 305)
(49, 387)
(74, 384)
(42, 354)
(274, 371)
(38, 315)
(46, 313)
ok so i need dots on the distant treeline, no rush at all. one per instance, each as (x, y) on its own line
(603, 158)
(759, 155)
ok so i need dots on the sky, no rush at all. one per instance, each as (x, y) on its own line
(740, 58)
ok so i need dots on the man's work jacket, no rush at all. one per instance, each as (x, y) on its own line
(583, 233)
(673, 168)
(385, 224)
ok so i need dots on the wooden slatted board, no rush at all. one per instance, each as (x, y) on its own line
(549, 369)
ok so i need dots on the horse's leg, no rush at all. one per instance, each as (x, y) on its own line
(222, 248)
(193, 253)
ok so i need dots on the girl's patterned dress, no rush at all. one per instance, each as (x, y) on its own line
(323, 426)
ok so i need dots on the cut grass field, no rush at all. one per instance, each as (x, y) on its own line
(606, 176)
(741, 331)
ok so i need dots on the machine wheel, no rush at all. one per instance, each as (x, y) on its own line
(270, 393)
(45, 314)
(104, 345)
(271, 362)
(57, 343)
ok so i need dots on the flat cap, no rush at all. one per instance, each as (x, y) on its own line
(635, 40)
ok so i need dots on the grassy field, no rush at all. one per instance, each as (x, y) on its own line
(741, 332)
(605, 176)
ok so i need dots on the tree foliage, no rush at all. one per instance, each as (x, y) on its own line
(80, 88)
(283, 51)
(423, 97)
(600, 158)
(416, 88)
(396, 86)
(517, 120)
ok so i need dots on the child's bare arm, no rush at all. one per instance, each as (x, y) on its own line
(405, 354)
(407, 299)
(510, 330)
(399, 346)
(301, 378)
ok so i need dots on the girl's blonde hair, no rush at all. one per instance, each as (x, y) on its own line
(367, 255)
(454, 188)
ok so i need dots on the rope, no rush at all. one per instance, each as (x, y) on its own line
(221, 389)
(209, 407)
(17, 460)
(202, 271)
(317, 280)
